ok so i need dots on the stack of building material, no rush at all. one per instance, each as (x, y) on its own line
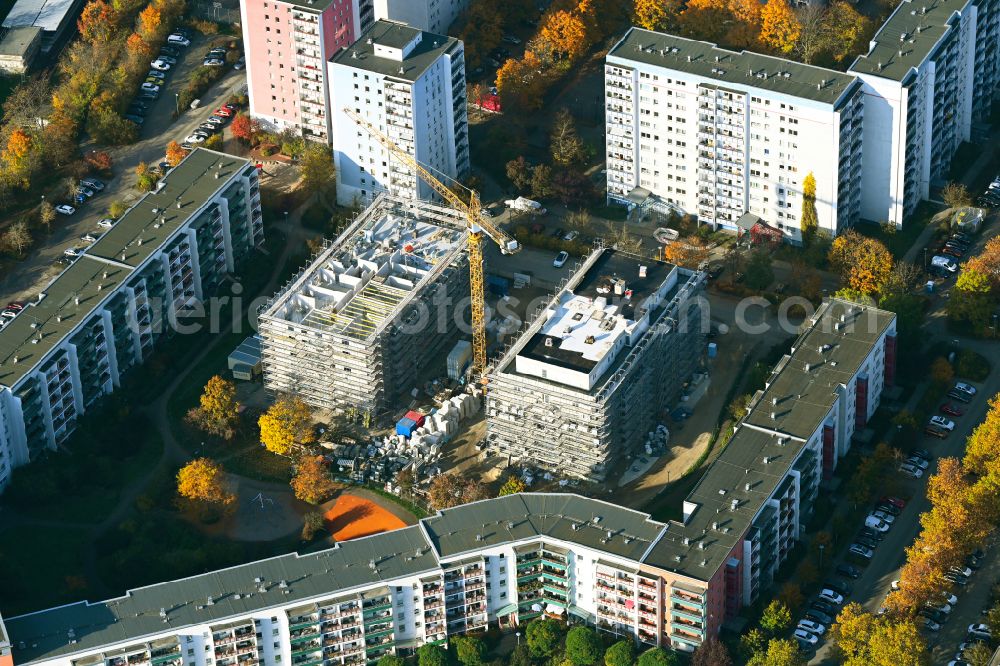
(656, 441)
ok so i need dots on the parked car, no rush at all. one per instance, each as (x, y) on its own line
(65, 209)
(169, 51)
(156, 75)
(824, 606)
(931, 625)
(223, 111)
(866, 541)
(937, 616)
(875, 523)
(511, 39)
(150, 87)
(861, 551)
(571, 236)
(812, 627)
(951, 410)
(169, 59)
(895, 501)
(131, 117)
(213, 62)
(919, 463)
(819, 617)
(106, 223)
(88, 238)
(216, 120)
(209, 127)
(160, 64)
(83, 191)
(945, 263)
(940, 607)
(911, 471)
(149, 94)
(964, 571)
(229, 106)
(240, 63)
(560, 259)
(889, 518)
(73, 251)
(952, 251)
(955, 578)
(949, 598)
(935, 432)
(955, 394)
(15, 305)
(871, 534)
(806, 637)
(849, 570)
(967, 389)
(194, 138)
(923, 453)
(943, 423)
(885, 507)
(178, 40)
(980, 630)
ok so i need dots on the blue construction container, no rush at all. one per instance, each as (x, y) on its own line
(405, 427)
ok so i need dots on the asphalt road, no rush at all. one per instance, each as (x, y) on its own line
(871, 589)
(38, 269)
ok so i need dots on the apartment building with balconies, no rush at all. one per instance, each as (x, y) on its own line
(104, 313)
(410, 84)
(717, 134)
(287, 44)
(930, 73)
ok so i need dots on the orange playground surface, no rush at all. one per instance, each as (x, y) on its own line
(352, 517)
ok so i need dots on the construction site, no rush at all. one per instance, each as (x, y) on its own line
(363, 323)
(588, 380)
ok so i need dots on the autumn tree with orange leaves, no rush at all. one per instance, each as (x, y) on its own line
(312, 482)
(689, 252)
(566, 33)
(97, 22)
(175, 153)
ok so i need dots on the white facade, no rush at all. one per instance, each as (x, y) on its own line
(929, 75)
(105, 313)
(722, 142)
(430, 15)
(409, 84)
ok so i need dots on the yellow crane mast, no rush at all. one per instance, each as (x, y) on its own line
(477, 225)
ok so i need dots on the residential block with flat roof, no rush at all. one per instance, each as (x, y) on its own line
(698, 129)
(410, 84)
(580, 387)
(104, 314)
(506, 561)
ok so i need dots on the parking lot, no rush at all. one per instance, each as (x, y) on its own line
(159, 128)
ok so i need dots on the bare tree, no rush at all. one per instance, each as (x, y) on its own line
(579, 220)
(904, 276)
(17, 238)
(624, 241)
(956, 195)
(27, 105)
(812, 31)
(46, 215)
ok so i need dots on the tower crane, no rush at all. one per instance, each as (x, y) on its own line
(477, 224)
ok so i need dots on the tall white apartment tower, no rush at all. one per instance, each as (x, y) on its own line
(410, 84)
(431, 15)
(718, 134)
(930, 73)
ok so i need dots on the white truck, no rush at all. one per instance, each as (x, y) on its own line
(525, 205)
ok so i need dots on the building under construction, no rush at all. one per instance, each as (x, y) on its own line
(372, 311)
(592, 374)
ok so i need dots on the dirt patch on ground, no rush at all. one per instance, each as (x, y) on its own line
(351, 516)
(263, 512)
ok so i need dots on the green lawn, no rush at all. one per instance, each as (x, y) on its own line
(85, 484)
(40, 568)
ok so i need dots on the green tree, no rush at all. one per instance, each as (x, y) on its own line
(971, 301)
(542, 636)
(317, 167)
(541, 181)
(621, 653)
(512, 485)
(809, 224)
(978, 655)
(583, 646)
(759, 273)
(469, 650)
(658, 657)
(776, 618)
(751, 643)
(390, 660)
(519, 174)
(431, 655)
(780, 652)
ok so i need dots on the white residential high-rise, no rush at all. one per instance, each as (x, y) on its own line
(930, 74)
(410, 84)
(717, 133)
(430, 15)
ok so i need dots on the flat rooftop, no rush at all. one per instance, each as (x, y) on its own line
(45, 14)
(590, 318)
(76, 292)
(908, 37)
(730, 68)
(759, 459)
(362, 53)
(15, 42)
(362, 281)
(803, 386)
(234, 593)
